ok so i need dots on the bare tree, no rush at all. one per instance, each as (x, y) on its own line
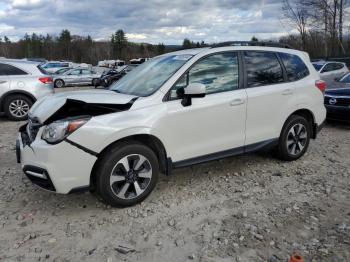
(298, 16)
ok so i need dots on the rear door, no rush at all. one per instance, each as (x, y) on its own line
(270, 96)
(4, 80)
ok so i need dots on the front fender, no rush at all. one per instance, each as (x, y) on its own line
(101, 131)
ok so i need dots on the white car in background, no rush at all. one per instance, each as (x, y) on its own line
(330, 70)
(21, 84)
(175, 110)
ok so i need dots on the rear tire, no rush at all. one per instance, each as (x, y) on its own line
(59, 83)
(126, 174)
(294, 139)
(16, 107)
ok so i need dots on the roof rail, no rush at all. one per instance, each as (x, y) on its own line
(252, 43)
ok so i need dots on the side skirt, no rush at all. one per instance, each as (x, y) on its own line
(265, 145)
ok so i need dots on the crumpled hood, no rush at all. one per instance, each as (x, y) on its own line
(49, 105)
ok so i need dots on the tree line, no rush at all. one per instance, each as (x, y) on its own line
(77, 48)
(320, 27)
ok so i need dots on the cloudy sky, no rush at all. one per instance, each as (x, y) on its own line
(153, 21)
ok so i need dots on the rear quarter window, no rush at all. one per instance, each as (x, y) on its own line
(295, 67)
(10, 70)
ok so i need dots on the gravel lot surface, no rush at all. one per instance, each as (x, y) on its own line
(245, 208)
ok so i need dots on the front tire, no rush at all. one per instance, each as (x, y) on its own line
(294, 139)
(126, 174)
(17, 107)
(59, 83)
(95, 82)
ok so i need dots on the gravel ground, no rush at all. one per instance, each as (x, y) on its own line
(245, 208)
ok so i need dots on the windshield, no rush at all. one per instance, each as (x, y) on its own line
(317, 66)
(148, 77)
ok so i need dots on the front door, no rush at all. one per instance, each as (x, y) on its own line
(213, 124)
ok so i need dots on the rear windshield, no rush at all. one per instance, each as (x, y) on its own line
(42, 70)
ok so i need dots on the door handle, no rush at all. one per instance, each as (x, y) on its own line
(237, 102)
(3, 82)
(287, 92)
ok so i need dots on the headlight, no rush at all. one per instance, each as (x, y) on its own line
(59, 130)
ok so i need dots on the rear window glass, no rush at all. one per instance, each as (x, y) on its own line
(338, 66)
(263, 68)
(295, 67)
(6, 69)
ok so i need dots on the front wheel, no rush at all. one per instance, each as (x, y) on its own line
(95, 82)
(294, 139)
(127, 174)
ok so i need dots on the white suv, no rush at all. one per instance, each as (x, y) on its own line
(21, 84)
(175, 110)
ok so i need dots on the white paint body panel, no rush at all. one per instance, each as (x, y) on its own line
(211, 124)
(67, 166)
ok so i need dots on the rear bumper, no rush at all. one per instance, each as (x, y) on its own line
(61, 168)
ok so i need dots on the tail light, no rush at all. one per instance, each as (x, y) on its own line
(46, 80)
(321, 85)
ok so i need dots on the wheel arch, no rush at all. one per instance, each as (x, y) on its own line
(153, 142)
(15, 92)
(308, 115)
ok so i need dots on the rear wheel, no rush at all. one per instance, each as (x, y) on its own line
(127, 174)
(294, 139)
(59, 83)
(17, 107)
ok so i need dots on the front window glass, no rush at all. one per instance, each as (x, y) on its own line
(328, 68)
(74, 72)
(148, 77)
(262, 68)
(86, 72)
(219, 73)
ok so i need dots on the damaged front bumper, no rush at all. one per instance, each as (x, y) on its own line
(62, 168)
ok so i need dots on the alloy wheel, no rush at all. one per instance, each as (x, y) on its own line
(59, 83)
(19, 108)
(131, 176)
(296, 139)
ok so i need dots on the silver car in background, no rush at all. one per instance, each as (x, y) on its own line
(75, 77)
(21, 84)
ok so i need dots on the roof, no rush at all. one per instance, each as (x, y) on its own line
(325, 62)
(28, 66)
(234, 47)
(18, 61)
(192, 51)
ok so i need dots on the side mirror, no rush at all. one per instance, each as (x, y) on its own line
(194, 90)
